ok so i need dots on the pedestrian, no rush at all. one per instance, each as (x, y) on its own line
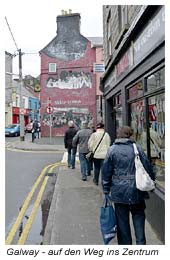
(68, 138)
(118, 177)
(35, 127)
(100, 140)
(81, 139)
(92, 127)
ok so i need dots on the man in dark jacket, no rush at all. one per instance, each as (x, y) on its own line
(118, 177)
(35, 128)
(68, 137)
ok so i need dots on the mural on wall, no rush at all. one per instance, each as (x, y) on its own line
(61, 116)
(73, 80)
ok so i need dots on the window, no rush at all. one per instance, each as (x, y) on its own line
(122, 16)
(109, 34)
(156, 80)
(52, 67)
(138, 123)
(118, 110)
(136, 90)
(157, 136)
(29, 104)
(35, 105)
(17, 102)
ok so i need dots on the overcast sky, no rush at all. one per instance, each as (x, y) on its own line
(33, 24)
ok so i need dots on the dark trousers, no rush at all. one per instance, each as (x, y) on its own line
(98, 163)
(123, 223)
(71, 156)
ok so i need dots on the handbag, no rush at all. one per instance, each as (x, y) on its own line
(90, 155)
(143, 180)
(108, 223)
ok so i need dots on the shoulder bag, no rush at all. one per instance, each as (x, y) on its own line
(143, 180)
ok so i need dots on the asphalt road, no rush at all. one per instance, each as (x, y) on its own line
(21, 172)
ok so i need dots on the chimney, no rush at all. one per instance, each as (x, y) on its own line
(68, 22)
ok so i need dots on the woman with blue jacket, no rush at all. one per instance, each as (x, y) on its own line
(118, 177)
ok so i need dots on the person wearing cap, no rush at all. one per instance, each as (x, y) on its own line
(118, 177)
(81, 139)
(100, 153)
(68, 138)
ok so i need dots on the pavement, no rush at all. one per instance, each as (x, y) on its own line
(75, 208)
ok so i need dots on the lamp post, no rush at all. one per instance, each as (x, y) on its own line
(21, 113)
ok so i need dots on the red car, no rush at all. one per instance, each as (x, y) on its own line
(28, 128)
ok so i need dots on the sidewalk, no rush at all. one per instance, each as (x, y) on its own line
(74, 213)
(41, 144)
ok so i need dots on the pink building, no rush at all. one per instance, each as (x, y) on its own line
(68, 83)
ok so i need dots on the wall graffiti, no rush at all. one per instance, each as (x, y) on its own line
(61, 116)
(73, 80)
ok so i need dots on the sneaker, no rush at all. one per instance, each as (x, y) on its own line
(84, 179)
(73, 167)
(69, 166)
(89, 173)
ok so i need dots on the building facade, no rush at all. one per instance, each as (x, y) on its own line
(68, 84)
(134, 87)
(30, 99)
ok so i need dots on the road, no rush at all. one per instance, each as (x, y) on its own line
(22, 169)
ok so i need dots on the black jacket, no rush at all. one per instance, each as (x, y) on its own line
(68, 137)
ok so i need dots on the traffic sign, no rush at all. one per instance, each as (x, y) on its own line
(49, 110)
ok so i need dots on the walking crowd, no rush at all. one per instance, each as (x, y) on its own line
(115, 166)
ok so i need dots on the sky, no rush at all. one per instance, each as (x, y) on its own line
(33, 24)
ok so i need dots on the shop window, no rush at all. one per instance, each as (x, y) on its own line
(118, 111)
(156, 80)
(157, 136)
(138, 123)
(136, 90)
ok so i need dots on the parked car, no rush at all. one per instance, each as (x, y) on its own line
(12, 130)
(28, 128)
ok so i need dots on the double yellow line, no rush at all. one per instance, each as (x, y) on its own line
(28, 225)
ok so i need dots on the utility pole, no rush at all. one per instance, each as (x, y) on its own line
(21, 114)
(21, 110)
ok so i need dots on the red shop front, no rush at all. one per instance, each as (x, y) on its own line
(15, 115)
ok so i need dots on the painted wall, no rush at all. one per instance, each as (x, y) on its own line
(72, 89)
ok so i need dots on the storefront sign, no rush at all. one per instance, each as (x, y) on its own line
(125, 62)
(151, 35)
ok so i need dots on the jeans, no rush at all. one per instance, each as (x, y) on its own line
(98, 163)
(72, 156)
(123, 224)
(84, 165)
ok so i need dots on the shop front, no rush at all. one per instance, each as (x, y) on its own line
(16, 115)
(135, 95)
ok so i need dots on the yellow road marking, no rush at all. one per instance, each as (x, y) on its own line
(15, 226)
(28, 225)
